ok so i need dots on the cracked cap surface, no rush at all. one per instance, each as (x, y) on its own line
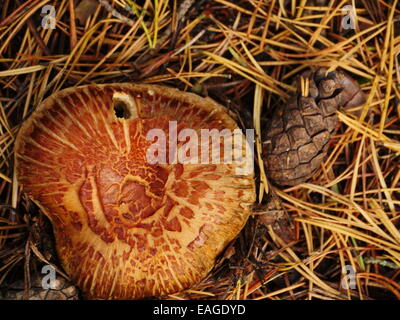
(126, 228)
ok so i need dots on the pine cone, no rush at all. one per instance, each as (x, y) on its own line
(296, 139)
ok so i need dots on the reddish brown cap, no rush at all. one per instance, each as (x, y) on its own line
(126, 228)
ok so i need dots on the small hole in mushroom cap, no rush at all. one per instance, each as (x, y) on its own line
(124, 106)
(121, 110)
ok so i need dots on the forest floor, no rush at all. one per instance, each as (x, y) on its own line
(245, 54)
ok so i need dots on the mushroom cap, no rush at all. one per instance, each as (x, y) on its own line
(126, 228)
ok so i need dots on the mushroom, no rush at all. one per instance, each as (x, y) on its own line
(125, 225)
